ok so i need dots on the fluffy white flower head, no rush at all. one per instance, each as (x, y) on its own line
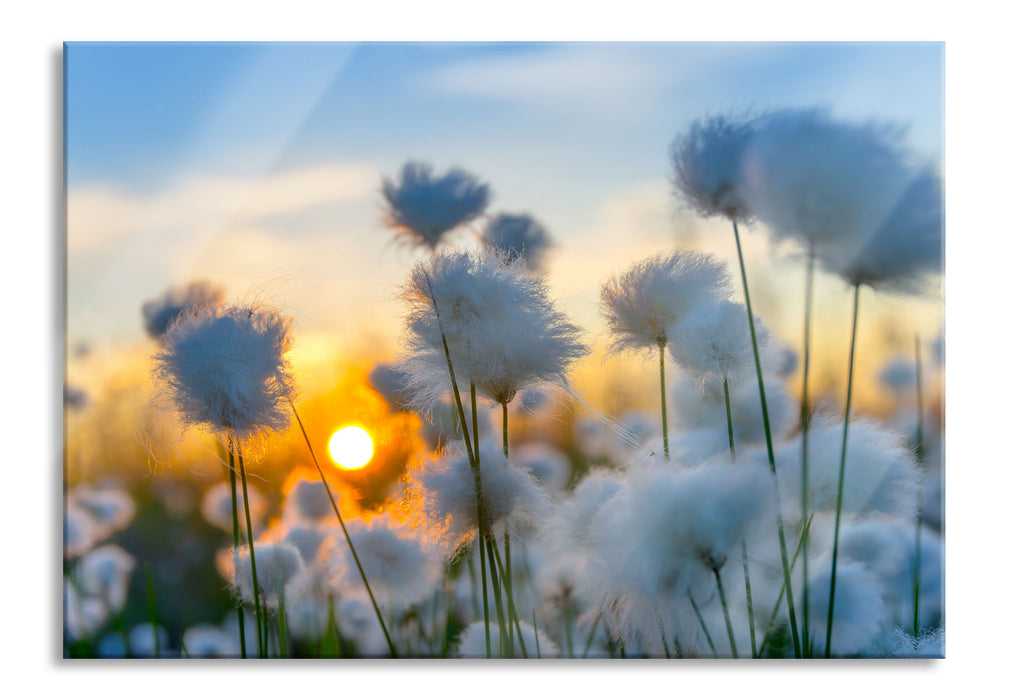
(503, 331)
(276, 564)
(442, 494)
(225, 369)
(707, 166)
(422, 207)
(643, 305)
(714, 343)
(825, 183)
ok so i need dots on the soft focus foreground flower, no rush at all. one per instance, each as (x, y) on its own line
(226, 369)
(643, 305)
(441, 494)
(907, 247)
(880, 473)
(655, 543)
(899, 375)
(859, 610)
(707, 165)
(110, 507)
(211, 641)
(401, 568)
(159, 314)
(824, 183)
(423, 207)
(276, 564)
(502, 329)
(105, 573)
(518, 236)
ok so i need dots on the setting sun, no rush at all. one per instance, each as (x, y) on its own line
(351, 447)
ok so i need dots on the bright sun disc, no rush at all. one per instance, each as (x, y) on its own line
(351, 447)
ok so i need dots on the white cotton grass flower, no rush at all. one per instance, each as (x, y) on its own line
(308, 540)
(402, 569)
(111, 507)
(643, 305)
(80, 531)
(550, 466)
(880, 473)
(859, 609)
(777, 359)
(225, 369)
(567, 529)
(906, 249)
(888, 548)
(592, 437)
(358, 624)
(657, 541)
(503, 330)
(216, 507)
(714, 344)
(518, 236)
(160, 313)
(441, 495)
(824, 183)
(276, 564)
(104, 573)
(703, 407)
(83, 616)
(205, 641)
(473, 642)
(707, 166)
(901, 644)
(307, 501)
(422, 207)
(899, 374)
(695, 447)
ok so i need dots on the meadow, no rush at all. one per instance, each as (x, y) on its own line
(471, 498)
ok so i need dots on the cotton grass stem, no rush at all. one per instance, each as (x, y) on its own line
(237, 540)
(252, 553)
(704, 626)
(513, 616)
(725, 613)
(805, 411)
(770, 447)
(662, 394)
(840, 475)
(781, 592)
(746, 559)
(350, 545)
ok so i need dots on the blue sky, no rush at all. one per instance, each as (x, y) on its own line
(258, 165)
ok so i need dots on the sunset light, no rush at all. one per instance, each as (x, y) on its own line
(351, 447)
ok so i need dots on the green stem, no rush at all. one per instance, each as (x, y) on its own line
(592, 635)
(746, 561)
(343, 526)
(704, 627)
(252, 553)
(840, 476)
(783, 550)
(725, 612)
(237, 539)
(512, 612)
(536, 631)
(781, 591)
(483, 531)
(282, 626)
(804, 420)
(662, 390)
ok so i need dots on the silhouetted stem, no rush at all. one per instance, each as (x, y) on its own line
(252, 554)
(920, 454)
(237, 539)
(725, 612)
